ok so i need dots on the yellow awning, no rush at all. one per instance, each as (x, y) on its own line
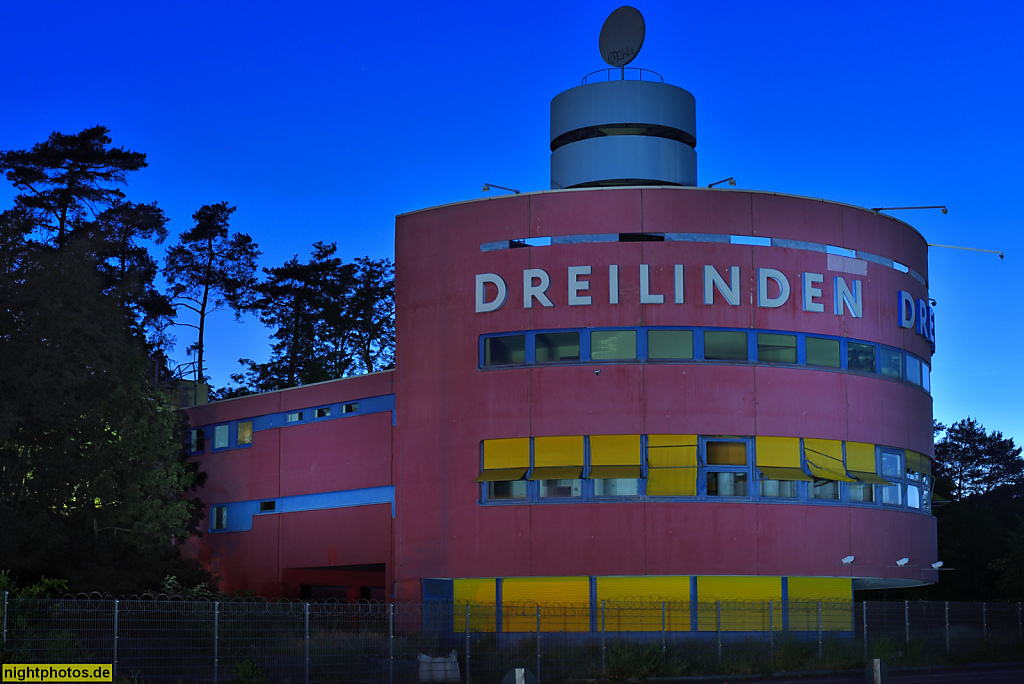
(672, 465)
(919, 463)
(778, 458)
(860, 463)
(615, 456)
(505, 459)
(557, 458)
(825, 459)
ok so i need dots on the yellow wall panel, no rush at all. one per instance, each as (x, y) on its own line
(564, 604)
(835, 595)
(480, 594)
(634, 604)
(744, 603)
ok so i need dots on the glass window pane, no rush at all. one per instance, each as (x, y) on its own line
(198, 441)
(727, 484)
(220, 517)
(914, 497)
(860, 357)
(782, 489)
(506, 490)
(913, 370)
(612, 344)
(294, 417)
(500, 351)
(926, 379)
(862, 492)
(824, 489)
(891, 495)
(892, 464)
(616, 487)
(669, 344)
(551, 347)
(726, 453)
(220, 437)
(725, 345)
(892, 363)
(823, 352)
(324, 412)
(774, 348)
(245, 432)
(560, 489)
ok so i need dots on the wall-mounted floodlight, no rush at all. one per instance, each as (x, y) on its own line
(937, 564)
(847, 560)
(902, 561)
(933, 206)
(730, 180)
(972, 249)
(488, 186)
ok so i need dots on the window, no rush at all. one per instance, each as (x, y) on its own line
(726, 473)
(506, 490)
(506, 350)
(505, 463)
(823, 489)
(244, 432)
(267, 506)
(781, 489)
(607, 345)
(918, 472)
(725, 345)
(220, 437)
(926, 381)
(294, 417)
(913, 370)
(615, 464)
(559, 346)
(778, 462)
(197, 441)
(823, 352)
(672, 465)
(892, 471)
(558, 465)
(862, 492)
(350, 408)
(560, 489)
(219, 518)
(775, 348)
(669, 344)
(860, 357)
(892, 363)
(324, 412)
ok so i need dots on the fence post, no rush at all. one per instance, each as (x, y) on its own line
(307, 642)
(906, 619)
(1020, 632)
(771, 631)
(947, 627)
(114, 665)
(467, 642)
(984, 622)
(819, 630)
(216, 638)
(538, 642)
(718, 628)
(6, 608)
(391, 643)
(663, 649)
(603, 669)
(865, 630)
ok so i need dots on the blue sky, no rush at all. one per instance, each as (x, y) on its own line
(322, 121)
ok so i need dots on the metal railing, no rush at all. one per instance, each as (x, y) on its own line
(169, 639)
(622, 74)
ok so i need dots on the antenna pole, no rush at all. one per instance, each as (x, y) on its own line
(972, 249)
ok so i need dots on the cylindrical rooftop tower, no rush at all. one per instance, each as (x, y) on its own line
(623, 133)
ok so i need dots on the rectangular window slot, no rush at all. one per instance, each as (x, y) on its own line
(750, 240)
(220, 517)
(669, 344)
(609, 345)
(220, 437)
(505, 350)
(841, 251)
(725, 345)
(530, 242)
(860, 357)
(775, 348)
(824, 352)
(554, 347)
(350, 408)
(268, 506)
(244, 432)
(294, 417)
(323, 412)
(900, 267)
(641, 237)
(197, 441)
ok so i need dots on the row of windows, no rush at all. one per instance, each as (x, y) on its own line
(628, 467)
(700, 344)
(239, 433)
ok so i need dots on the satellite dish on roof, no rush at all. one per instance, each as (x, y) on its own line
(622, 36)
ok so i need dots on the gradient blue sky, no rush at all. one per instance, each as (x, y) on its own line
(322, 121)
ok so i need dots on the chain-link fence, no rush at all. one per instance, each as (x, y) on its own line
(166, 639)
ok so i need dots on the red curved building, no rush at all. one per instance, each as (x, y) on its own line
(628, 388)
